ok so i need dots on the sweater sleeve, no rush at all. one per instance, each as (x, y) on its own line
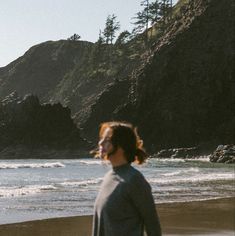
(142, 198)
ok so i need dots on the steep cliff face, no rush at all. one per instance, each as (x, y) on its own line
(88, 82)
(180, 92)
(106, 108)
(184, 93)
(74, 73)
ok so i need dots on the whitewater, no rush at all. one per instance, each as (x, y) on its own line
(39, 189)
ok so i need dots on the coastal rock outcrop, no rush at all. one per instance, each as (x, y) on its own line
(72, 73)
(177, 153)
(223, 154)
(182, 95)
(179, 91)
(27, 123)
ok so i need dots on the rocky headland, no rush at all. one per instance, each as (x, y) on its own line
(179, 91)
(182, 95)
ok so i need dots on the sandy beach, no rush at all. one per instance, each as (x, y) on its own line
(210, 217)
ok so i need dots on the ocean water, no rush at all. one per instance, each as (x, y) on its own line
(39, 189)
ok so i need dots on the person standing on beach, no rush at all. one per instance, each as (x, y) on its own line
(124, 205)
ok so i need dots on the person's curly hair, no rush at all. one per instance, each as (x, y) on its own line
(125, 135)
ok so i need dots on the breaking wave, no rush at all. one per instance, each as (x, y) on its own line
(184, 171)
(30, 165)
(82, 182)
(193, 179)
(26, 190)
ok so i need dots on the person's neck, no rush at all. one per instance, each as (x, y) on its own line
(118, 163)
(117, 160)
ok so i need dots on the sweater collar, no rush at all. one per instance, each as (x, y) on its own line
(121, 167)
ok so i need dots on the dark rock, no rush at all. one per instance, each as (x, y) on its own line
(224, 154)
(178, 153)
(165, 153)
(27, 123)
(179, 96)
(73, 73)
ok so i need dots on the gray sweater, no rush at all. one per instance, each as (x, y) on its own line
(125, 205)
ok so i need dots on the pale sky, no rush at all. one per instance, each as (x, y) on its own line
(24, 23)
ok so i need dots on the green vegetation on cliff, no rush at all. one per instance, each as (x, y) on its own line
(177, 88)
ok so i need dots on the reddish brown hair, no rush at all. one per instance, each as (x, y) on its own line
(125, 135)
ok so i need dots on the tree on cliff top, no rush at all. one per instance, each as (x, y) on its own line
(111, 27)
(152, 12)
(74, 37)
(142, 19)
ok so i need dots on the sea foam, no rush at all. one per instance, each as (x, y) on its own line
(92, 162)
(24, 190)
(82, 182)
(30, 165)
(183, 171)
(193, 179)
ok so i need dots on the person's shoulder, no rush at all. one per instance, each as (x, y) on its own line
(136, 176)
(134, 171)
(137, 181)
(107, 178)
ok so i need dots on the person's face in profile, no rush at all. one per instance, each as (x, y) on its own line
(105, 144)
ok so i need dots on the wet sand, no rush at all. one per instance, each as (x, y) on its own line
(211, 217)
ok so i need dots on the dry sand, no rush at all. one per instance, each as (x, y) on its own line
(211, 217)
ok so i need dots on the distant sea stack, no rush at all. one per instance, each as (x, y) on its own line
(179, 91)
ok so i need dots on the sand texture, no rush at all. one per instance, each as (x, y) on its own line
(211, 217)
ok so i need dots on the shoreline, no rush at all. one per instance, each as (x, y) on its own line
(201, 217)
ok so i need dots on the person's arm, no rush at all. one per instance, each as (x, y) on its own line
(141, 195)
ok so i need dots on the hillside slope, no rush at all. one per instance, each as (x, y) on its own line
(184, 94)
(73, 73)
(179, 92)
(41, 68)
